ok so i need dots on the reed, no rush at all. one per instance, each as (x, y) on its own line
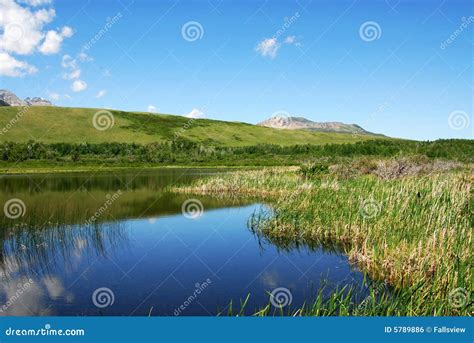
(413, 232)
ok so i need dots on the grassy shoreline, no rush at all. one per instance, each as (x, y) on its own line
(73, 169)
(412, 231)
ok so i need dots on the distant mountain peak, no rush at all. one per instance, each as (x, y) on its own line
(301, 123)
(37, 101)
(8, 98)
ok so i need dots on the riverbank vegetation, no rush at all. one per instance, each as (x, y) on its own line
(405, 221)
(181, 152)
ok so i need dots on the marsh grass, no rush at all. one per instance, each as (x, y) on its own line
(413, 232)
(267, 183)
(344, 301)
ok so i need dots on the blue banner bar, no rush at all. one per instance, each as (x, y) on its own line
(248, 329)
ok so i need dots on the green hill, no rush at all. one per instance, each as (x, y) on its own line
(75, 125)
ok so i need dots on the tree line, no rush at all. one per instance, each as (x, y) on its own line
(182, 151)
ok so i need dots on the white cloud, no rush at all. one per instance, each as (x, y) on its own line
(23, 27)
(52, 42)
(23, 32)
(9, 66)
(268, 47)
(66, 32)
(151, 109)
(290, 40)
(78, 86)
(195, 113)
(68, 62)
(75, 74)
(101, 93)
(36, 3)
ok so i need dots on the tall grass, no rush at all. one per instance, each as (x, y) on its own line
(414, 232)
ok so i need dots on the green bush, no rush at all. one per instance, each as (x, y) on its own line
(314, 170)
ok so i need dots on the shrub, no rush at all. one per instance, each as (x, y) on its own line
(314, 170)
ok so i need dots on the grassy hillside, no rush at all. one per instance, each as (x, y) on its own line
(75, 125)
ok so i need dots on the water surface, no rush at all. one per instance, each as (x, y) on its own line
(141, 255)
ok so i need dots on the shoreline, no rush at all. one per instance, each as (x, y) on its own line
(94, 169)
(400, 230)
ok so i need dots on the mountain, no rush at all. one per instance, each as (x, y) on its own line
(8, 98)
(52, 124)
(38, 102)
(300, 123)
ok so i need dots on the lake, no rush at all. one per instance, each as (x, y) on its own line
(119, 243)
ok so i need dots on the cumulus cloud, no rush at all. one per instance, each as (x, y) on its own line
(23, 27)
(101, 94)
(151, 109)
(68, 62)
(75, 74)
(52, 42)
(268, 47)
(195, 113)
(35, 3)
(78, 86)
(23, 32)
(291, 40)
(9, 66)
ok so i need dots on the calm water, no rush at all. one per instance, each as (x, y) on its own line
(140, 255)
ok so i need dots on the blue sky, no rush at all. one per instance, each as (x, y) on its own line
(409, 79)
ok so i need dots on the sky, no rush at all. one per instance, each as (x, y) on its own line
(401, 68)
